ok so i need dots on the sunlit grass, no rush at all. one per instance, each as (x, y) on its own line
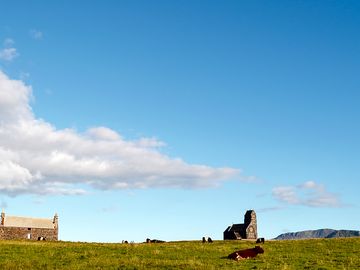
(343, 253)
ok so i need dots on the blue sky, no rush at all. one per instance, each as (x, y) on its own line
(170, 119)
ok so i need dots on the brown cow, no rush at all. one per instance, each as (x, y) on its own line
(246, 253)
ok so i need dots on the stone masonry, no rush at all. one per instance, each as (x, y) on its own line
(12, 227)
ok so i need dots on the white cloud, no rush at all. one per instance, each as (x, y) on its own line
(8, 52)
(103, 133)
(309, 185)
(36, 34)
(308, 194)
(286, 194)
(37, 158)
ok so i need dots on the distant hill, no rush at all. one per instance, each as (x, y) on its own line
(322, 233)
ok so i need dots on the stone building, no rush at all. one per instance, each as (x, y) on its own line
(246, 230)
(13, 227)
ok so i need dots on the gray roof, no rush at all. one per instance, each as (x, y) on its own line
(43, 223)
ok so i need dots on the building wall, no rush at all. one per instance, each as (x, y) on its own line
(251, 222)
(251, 232)
(247, 230)
(17, 233)
(229, 234)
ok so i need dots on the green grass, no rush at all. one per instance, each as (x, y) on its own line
(341, 253)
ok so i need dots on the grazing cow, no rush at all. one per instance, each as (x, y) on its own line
(260, 241)
(157, 241)
(154, 241)
(41, 238)
(246, 253)
(207, 239)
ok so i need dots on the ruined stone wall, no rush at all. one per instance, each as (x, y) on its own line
(15, 233)
(251, 232)
(251, 224)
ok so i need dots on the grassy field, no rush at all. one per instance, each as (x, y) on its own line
(341, 253)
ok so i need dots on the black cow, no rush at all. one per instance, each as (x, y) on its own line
(260, 240)
(148, 240)
(207, 239)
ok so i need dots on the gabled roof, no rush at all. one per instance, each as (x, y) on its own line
(43, 223)
(235, 228)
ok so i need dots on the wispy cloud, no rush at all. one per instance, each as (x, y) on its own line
(9, 42)
(36, 34)
(308, 193)
(249, 179)
(270, 209)
(24, 75)
(8, 52)
(38, 158)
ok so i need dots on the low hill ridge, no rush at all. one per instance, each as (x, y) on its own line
(321, 233)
